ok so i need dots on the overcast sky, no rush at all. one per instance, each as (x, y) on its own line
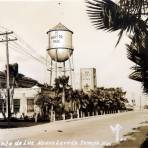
(92, 48)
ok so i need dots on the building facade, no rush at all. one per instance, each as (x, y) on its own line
(88, 80)
(23, 102)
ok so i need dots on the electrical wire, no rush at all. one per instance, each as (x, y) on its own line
(25, 51)
(23, 47)
(12, 46)
(21, 40)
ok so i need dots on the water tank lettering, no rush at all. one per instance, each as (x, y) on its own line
(60, 36)
(60, 40)
(53, 37)
(56, 41)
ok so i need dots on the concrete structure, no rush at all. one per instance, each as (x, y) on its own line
(88, 80)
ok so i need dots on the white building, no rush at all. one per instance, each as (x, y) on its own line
(88, 80)
(23, 101)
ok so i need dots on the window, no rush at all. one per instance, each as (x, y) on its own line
(2, 105)
(16, 105)
(30, 105)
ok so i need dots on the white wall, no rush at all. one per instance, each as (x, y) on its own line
(23, 94)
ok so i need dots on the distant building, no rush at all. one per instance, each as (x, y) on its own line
(88, 80)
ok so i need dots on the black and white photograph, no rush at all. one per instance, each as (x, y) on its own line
(73, 73)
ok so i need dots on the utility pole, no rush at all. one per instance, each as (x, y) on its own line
(140, 104)
(6, 40)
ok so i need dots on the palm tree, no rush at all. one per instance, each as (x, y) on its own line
(44, 102)
(119, 96)
(130, 16)
(3, 106)
(75, 102)
(94, 102)
(84, 103)
(61, 85)
(138, 53)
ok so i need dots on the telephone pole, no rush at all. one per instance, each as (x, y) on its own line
(7, 40)
(140, 104)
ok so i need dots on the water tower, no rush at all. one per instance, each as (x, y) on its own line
(60, 52)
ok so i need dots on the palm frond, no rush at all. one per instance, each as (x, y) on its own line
(109, 16)
(137, 7)
(137, 52)
(139, 73)
(145, 83)
(134, 55)
(136, 76)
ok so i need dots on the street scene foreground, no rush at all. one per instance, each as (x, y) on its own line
(98, 131)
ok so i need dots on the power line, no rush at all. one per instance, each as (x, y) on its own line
(21, 40)
(13, 47)
(21, 43)
(22, 47)
(25, 51)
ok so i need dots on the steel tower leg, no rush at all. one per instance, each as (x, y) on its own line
(64, 70)
(56, 67)
(70, 71)
(51, 72)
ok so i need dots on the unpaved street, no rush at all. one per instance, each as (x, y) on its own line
(92, 132)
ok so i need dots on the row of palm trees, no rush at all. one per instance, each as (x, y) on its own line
(78, 103)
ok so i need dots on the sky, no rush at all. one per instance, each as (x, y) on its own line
(30, 20)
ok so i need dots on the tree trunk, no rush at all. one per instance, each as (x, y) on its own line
(63, 102)
(51, 114)
(78, 115)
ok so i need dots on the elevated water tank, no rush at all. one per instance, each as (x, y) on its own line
(60, 43)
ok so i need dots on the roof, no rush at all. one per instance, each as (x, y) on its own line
(35, 86)
(60, 27)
